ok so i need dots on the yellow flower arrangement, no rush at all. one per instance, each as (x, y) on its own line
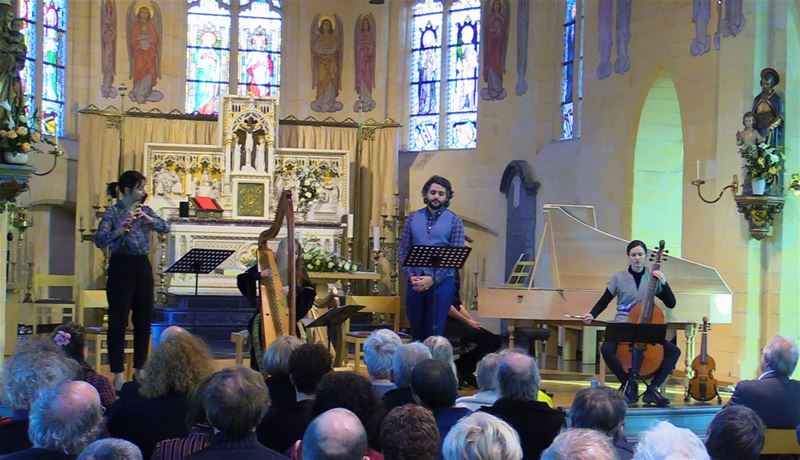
(762, 161)
(18, 135)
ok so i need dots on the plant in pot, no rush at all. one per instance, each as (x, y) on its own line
(762, 164)
(19, 136)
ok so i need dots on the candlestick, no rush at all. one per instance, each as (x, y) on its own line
(376, 238)
(80, 222)
(698, 169)
(383, 208)
(406, 207)
(349, 225)
(477, 259)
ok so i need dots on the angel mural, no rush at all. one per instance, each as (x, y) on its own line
(144, 50)
(108, 47)
(365, 62)
(495, 36)
(326, 62)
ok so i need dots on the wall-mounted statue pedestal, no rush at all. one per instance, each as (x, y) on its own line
(760, 212)
(14, 180)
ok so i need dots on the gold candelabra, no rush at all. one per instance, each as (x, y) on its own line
(392, 224)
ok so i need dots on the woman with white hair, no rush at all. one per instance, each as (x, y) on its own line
(481, 436)
(666, 441)
(379, 349)
(441, 350)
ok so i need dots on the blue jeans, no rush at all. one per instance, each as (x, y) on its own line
(427, 310)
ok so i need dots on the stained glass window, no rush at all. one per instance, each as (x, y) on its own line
(43, 84)
(567, 70)
(260, 50)
(463, 50)
(459, 66)
(215, 68)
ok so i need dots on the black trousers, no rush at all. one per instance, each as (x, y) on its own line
(671, 355)
(129, 291)
(485, 342)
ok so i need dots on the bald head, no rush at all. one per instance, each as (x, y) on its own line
(518, 377)
(335, 435)
(171, 331)
(66, 418)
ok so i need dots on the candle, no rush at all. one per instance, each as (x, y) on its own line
(349, 225)
(80, 222)
(376, 238)
(698, 169)
(477, 258)
(383, 208)
(371, 229)
(406, 207)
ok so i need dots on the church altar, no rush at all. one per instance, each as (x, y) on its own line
(245, 173)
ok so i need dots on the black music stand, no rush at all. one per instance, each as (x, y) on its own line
(199, 261)
(635, 333)
(333, 319)
(437, 257)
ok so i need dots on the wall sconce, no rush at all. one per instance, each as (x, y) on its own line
(733, 186)
(57, 152)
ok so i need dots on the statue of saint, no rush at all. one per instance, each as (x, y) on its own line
(326, 62)
(768, 110)
(144, 51)
(12, 61)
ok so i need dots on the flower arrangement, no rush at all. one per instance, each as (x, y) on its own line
(318, 259)
(19, 134)
(794, 185)
(309, 178)
(762, 161)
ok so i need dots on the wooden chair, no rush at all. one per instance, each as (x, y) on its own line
(44, 305)
(780, 442)
(91, 299)
(97, 344)
(372, 304)
(240, 341)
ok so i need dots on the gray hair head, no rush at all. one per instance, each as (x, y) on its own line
(336, 434)
(66, 418)
(275, 362)
(518, 377)
(666, 441)
(441, 350)
(581, 444)
(780, 355)
(405, 358)
(481, 436)
(37, 365)
(378, 351)
(111, 449)
(236, 400)
(486, 372)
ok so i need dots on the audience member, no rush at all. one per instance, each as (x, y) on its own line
(378, 351)
(773, 396)
(111, 449)
(284, 423)
(481, 436)
(580, 444)
(409, 433)
(405, 358)
(602, 409)
(536, 423)
(37, 365)
(735, 433)
(130, 390)
(334, 435)
(71, 338)
(665, 441)
(486, 380)
(275, 369)
(64, 420)
(353, 392)
(200, 430)
(235, 401)
(172, 372)
(436, 387)
(442, 350)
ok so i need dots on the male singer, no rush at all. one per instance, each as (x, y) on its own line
(430, 291)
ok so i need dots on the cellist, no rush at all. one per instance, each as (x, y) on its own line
(629, 287)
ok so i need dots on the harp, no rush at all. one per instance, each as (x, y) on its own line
(277, 316)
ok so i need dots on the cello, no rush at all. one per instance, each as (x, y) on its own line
(645, 312)
(703, 386)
